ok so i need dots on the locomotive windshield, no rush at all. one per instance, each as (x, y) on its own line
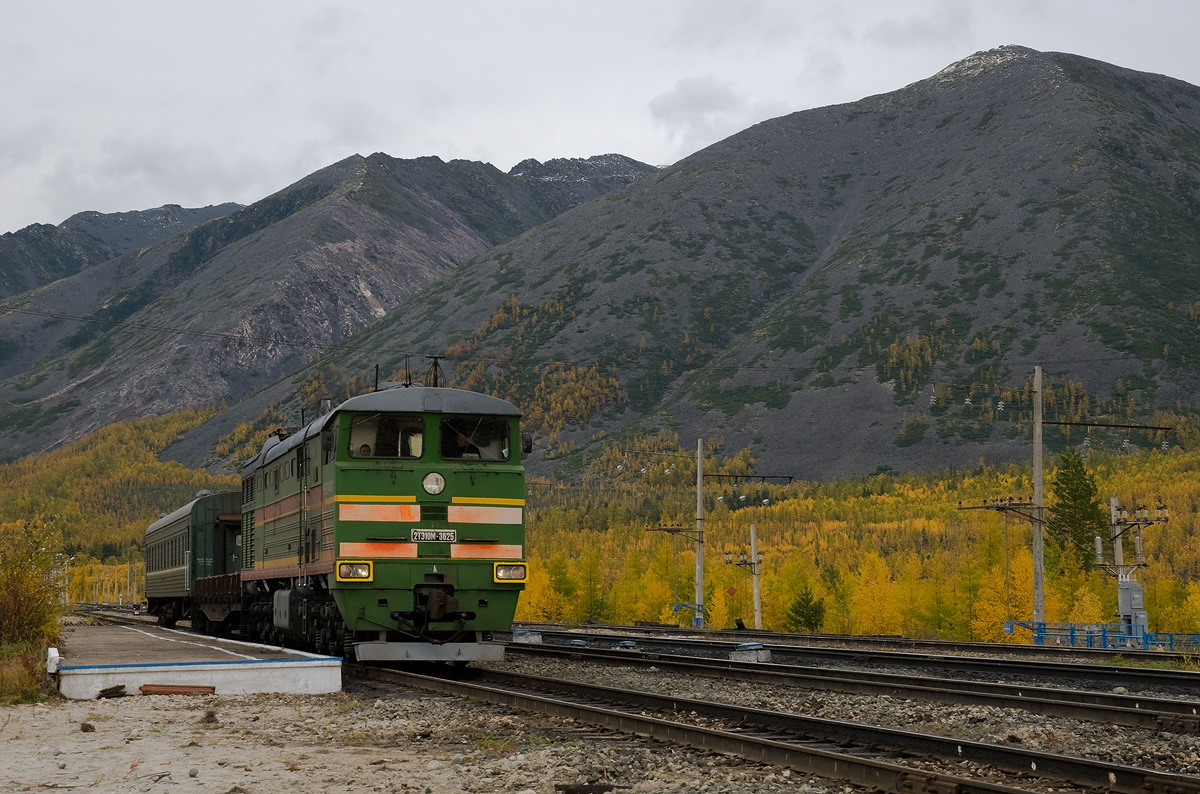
(387, 436)
(474, 438)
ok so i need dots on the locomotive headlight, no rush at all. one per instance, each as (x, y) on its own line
(357, 571)
(433, 483)
(508, 572)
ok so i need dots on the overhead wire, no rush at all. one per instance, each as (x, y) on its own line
(350, 346)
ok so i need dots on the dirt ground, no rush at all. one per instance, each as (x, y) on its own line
(363, 739)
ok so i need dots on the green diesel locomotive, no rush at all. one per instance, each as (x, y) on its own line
(390, 528)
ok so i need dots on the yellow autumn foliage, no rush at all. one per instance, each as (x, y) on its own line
(886, 554)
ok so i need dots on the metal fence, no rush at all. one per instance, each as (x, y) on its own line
(1115, 636)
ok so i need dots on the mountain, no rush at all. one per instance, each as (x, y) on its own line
(138, 322)
(859, 286)
(843, 289)
(41, 253)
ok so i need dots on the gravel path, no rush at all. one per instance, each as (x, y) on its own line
(364, 739)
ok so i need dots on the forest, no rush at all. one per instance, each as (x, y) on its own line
(887, 554)
(890, 553)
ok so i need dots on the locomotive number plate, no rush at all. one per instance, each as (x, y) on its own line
(434, 535)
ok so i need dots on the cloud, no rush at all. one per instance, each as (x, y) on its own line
(943, 24)
(823, 67)
(141, 103)
(698, 111)
(747, 24)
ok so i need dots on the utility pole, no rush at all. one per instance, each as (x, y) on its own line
(754, 555)
(698, 620)
(698, 606)
(1039, 504)
(751, 564)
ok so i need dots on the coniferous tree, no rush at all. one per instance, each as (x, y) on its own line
(1076, 516)
(806, 613)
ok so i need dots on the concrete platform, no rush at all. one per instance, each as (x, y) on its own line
(95, 658)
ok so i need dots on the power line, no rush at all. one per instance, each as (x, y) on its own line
(349, 346)
(1105, 424)
(235, 337)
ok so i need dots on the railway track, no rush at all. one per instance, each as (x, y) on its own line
(880, 758)
(1181, 716)
(895, 643)
(1153, 713)
(992, 667)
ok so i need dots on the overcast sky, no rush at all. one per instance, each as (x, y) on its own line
(114, 106)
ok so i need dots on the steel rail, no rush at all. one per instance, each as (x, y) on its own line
(1015, 760)
(796, 747)
(885, 642)
(1100, 674)
(875, 774)
(1138, 712)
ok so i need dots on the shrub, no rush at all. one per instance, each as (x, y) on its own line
(23, 676)
(29, 587)
(28, 583)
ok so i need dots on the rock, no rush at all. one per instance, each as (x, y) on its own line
(62, 764)
(1120, 690)
(87, 727)
(193, 772)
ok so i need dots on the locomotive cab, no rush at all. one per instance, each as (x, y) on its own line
(391, 528)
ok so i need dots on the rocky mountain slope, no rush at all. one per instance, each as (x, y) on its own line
(861, 285)
(233, 303)
(41, 253)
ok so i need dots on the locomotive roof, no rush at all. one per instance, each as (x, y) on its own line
(433, 400)
(411, 399)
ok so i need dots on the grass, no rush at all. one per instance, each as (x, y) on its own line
(490, 743)
(23, 677)
(1187, 661)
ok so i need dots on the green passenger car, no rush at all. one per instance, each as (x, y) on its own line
(390, 528)
(198, 541)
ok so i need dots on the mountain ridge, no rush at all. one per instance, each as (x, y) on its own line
(230, 304)
(844, 289)
(41, 253)
(896, 255)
